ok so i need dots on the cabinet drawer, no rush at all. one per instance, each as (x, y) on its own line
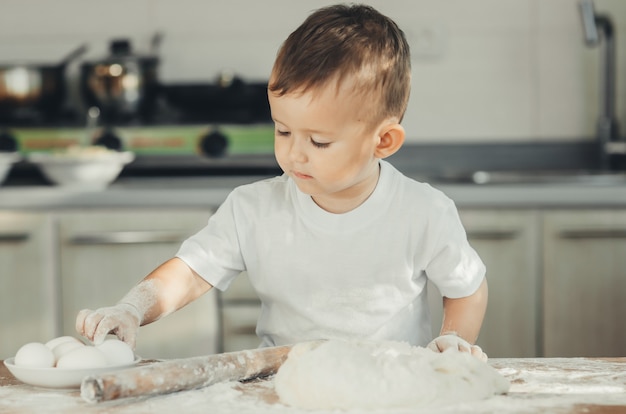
(103, 254)
(29, 299)
(506, 241)
(584, 283)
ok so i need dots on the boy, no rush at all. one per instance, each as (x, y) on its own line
(342, 244)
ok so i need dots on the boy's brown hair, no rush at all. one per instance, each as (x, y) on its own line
(342, 41)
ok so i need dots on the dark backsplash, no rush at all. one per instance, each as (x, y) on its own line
(460, 158)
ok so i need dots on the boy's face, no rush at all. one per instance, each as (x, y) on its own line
(325, 144)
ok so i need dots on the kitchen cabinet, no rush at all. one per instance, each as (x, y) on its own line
(28, 288)
(104, 253)
(556, 278)
(584, 283)
(506, 241)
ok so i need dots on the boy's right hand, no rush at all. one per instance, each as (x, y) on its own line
(451, 341)
(123, 320)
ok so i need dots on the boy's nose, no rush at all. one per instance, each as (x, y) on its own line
(296, 151)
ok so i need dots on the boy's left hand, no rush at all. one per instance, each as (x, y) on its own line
(455, 342)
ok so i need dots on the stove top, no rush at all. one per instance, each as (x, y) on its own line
(194, 130)
(163, 150)
(210, 140)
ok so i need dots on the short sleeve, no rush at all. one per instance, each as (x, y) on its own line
(454, 266)
(214, 252)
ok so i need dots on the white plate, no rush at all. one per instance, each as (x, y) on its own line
(58, 377)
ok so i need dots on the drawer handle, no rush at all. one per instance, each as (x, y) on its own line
(492, 235)
(593, 234)
(14, 237)
(127, 237)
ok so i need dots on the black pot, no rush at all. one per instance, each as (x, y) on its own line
(34, 90)
(123, 86)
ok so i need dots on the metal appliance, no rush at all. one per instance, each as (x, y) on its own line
(124, 85)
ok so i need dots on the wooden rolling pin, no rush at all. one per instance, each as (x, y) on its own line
(183, 374)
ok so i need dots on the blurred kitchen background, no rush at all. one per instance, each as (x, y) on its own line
(483, 70)
(508, 86)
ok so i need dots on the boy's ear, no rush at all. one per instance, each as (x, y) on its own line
(391, 138)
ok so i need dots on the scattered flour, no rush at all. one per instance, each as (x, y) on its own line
(537, 385)
(366, 375)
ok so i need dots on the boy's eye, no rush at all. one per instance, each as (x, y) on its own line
(320, 144)
(282, 133)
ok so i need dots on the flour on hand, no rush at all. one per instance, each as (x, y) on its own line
(340, 374)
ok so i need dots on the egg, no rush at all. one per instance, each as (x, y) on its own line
(65, 347)
(60, 340)
(117, 352)
(83, 357)
(35, 355)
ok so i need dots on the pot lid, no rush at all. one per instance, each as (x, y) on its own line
(121, 51)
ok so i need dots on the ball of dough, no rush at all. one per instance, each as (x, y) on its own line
(381, 375)
(83, 357)
(117, 352)
(60, 340)
(35, 355)
(65, 347)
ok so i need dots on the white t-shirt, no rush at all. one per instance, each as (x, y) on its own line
(321, 275)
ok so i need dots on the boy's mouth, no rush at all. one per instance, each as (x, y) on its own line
(300, 175)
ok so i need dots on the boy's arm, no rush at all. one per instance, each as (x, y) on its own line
(462, 319)
(167, 289)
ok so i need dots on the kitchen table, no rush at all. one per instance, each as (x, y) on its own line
(538, 385)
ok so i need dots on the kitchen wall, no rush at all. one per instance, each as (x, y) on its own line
(483, 70)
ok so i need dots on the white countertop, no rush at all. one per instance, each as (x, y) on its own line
(211, 192)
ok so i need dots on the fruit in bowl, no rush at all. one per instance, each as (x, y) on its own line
(85, 168)
(7, 159)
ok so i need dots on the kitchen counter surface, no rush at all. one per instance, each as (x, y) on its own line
(211, 192)
(538, 385)
(425, 162)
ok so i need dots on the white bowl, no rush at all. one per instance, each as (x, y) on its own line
(7, 159)
(58, 377)
(90, 168)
